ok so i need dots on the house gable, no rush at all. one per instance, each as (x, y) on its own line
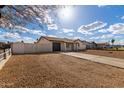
(43, 41)
(81, 45)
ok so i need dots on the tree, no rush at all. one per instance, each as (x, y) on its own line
(20, 15)
(22, 41)
(1, 6)
(8, 42)
(112, 41)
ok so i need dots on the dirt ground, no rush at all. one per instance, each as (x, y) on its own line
(116, 54)
(58, 70)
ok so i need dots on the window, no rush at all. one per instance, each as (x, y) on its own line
(67, 45)
(78, 45)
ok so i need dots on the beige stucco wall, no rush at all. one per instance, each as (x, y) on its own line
(70, 48)
(63, 46)
(17, 48)
(46, 45)
(23, 48)
(29, 48)
(82, 46)
(75, 47)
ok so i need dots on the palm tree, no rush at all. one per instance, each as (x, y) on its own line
(112, 41)
(22, 41)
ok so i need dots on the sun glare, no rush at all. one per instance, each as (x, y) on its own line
(66, 13)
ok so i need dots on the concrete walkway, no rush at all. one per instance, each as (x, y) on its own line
(99, 59)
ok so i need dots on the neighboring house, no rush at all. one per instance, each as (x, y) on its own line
(102, 45)
(90, 45)
(61, 44)
(81, 44)
(94, 45)
(116, 46)
(2, 44)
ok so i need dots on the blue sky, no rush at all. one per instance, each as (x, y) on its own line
(91, 23)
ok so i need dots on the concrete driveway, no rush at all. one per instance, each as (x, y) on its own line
(117, 62)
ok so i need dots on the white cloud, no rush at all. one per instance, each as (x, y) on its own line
(8, 35)
(21, 29)
(67, 30)
(86, 29)
(26, 30)
(78, 37)
(103, 30)
(25, 39)
(97, 37)
(117, 28)
(39, 20)
(37, 32)
(47, 18)
(49, 21)
(117, 16)
(51, 35)
(107, 36)
(52, 27)
(70, 34)
(16, 37)
(122, 17)
(86, 32)
(101, 5)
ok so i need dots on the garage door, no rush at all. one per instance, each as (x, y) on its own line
(56, 47)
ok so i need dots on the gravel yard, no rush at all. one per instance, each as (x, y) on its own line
(57, 70)
(116, 54)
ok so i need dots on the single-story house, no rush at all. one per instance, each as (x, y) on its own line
(116, 46)
(61, 44)
(48, 44)
(2, 44)
(102, 45)
(90, 45)
(81, 45)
